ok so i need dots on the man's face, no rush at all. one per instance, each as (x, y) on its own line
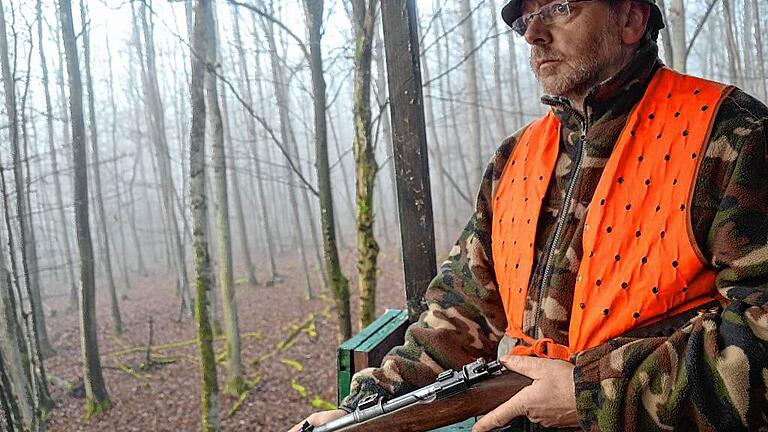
(570, 57)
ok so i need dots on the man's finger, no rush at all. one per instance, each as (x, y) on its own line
(532, 367)
(515, 407)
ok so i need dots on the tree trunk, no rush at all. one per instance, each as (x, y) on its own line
(137, 163)
(677, 38)
(343, 167)
(437, 154)
(313, 10)
(73, 294)
(8, 399)
(469, 182)
(64, 226)
(501, 120)
(514, 79)
(238, 200)
(286, 134)
(117, 321)
(156, 119)
(118, 195)
(475, 136)
(763, 78)
(666, 34)
(15, 360)
(209, 385)
(96, 392)
(235, 384)
(734, 60)
(250, 127)
(381, 99)
(37, 338)
(364, 21)
(23, 214)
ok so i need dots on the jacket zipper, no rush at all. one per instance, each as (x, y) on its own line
(563, 215)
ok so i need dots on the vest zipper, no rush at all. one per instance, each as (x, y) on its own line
(563, 215)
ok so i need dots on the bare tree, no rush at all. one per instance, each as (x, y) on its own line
(501, 121)
(763, 79)
(117, 321)
(97, 399)
(250, 127)
(470, 53)
(138, 145)
(12, 347)
(288, 136)
(313, 11)
(23, 214)
(117, 178)
(245, 247)
(64, 226)
(10, 408)
(235, 384)
(436, 151)
(37, 345)
(364, 22)
(734, 60)
(203, 28)
(382, 100)
(677, 38)
(156, 120)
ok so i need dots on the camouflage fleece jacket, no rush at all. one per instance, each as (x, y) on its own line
(710, 375)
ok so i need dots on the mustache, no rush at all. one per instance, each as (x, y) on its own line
(541, 54)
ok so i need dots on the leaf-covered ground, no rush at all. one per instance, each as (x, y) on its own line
(165, 396)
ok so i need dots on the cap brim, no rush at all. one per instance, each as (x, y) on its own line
(511, 11)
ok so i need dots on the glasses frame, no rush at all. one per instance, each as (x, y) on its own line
(520, 25)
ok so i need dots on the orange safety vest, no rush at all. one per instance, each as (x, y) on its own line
(641, 263)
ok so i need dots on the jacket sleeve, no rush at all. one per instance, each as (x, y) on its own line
(465, 318)
(711, 375)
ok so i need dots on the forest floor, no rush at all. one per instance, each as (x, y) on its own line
(166, 397)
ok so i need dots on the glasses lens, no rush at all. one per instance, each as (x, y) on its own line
(520, 25)
(547, 14)
(554, 11)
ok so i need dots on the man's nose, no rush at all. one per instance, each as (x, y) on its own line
(537, 33)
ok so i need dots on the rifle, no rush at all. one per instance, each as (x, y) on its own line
(455, 396)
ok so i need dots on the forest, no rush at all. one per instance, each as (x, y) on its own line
(199, 197)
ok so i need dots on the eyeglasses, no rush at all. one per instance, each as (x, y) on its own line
(549, 14)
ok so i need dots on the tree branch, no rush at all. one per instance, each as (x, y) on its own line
(276, 21)
(699, 28)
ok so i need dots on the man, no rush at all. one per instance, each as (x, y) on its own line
(618, 253)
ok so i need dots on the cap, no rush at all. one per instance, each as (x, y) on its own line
(511, 11)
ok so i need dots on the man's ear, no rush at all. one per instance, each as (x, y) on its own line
(636, 19)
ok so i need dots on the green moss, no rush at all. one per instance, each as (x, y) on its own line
(93, 407)
(292, 364)
(319, 403)
(236, 386)
(298, 388)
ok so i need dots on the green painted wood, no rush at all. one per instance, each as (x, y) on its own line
(369, 337)
(343, 373)
(391, 325)
(372, 328)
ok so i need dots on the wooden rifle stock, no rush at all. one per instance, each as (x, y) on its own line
(478, 399)
(428, 413)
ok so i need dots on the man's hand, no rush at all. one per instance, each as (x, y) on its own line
(320, 418)
(549, 401)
